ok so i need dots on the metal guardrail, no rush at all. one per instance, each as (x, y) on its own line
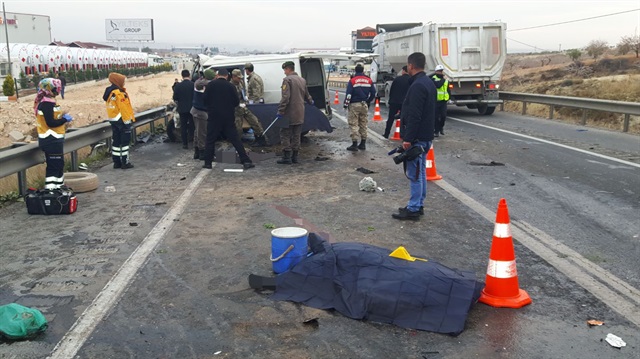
(22, 156)
(586, 104)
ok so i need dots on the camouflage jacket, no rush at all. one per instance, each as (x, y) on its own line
(255, 88)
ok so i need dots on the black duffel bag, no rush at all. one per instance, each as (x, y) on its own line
(51, 201)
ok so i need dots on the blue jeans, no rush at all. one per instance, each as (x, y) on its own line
(416, 173)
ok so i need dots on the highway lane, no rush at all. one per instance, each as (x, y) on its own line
(576, 193)
(191, 296)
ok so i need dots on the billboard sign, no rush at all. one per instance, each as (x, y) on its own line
(129, 29)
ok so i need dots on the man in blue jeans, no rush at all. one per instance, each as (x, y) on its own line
(417, 121)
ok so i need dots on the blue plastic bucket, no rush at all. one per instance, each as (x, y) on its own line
(288, 247)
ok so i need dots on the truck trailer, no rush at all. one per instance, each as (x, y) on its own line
(473, 55)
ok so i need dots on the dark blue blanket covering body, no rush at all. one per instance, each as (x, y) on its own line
(362, 282)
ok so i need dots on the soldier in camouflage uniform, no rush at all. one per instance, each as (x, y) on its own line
(243, 113)
(255, 87)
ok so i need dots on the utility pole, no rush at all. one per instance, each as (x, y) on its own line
(6, 32)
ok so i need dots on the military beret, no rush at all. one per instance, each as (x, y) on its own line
(289, 64)
(209, 74)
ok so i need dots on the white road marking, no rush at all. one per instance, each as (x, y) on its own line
(611, 167)
(549, 142)
(611, 290)
(625, 299)
(82, 329)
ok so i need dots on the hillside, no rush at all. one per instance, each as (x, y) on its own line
(609, 77)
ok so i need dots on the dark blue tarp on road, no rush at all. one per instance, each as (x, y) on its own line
(314, 119)
(362, 282)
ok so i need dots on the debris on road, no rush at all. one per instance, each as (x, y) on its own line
(110, 189)
(83, 166)
(615, 341)
(367, 184)
(18, 322)
(321, 158)
(233, 170)
(180, 165)
(594, 322)
(313, 322)
(133, 224)
(364, 170)
(492, 163)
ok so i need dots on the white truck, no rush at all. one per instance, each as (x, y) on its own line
(472, 54)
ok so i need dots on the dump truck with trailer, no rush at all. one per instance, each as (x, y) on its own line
(473, 55)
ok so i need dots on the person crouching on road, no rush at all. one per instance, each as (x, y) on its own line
(50, 124)
(291, 107)
(199, 113)
(416, 129)
(120, 114)
(243, 113)
(360, 93)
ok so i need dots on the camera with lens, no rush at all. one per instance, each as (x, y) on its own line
(406, 155)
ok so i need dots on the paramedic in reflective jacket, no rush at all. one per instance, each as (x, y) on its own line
(50, 125)
(120, 114)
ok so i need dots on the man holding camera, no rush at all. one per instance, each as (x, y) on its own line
(417, 121)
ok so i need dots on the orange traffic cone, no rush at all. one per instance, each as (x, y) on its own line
(502, 289)
(432, 174)
(376, 112)
(396, 134)
(337, 100)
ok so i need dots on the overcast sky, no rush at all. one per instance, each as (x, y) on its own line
(281, 25)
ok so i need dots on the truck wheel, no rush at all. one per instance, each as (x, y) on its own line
(81, 181)
(486, 110)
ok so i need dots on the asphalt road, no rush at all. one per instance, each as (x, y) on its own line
(159, 267)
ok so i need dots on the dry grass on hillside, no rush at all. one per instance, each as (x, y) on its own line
(614, 78)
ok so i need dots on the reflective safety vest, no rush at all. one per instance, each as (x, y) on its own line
(443, 94)
(119, 107)
(45, 131)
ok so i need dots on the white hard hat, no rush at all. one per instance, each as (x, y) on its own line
(439, 68)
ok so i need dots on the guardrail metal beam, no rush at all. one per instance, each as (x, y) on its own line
(20, 157)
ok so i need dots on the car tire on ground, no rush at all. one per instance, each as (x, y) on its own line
(81, 181)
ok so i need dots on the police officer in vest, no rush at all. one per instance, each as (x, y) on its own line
(442, 84)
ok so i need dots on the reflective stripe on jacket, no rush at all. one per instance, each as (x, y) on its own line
(119, 107)
(44, 130)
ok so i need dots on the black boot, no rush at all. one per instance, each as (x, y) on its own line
(286, 158)
(362, 145)
(294, 156)
(196, 153)
(353, 147)
(260, 141)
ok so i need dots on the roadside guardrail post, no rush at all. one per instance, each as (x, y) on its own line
(524, 108)
(551, 112)
(584, 117)
(625, 123)
(502, 106)
(22, 182)
(74, 161)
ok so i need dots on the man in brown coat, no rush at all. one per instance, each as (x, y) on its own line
(291, 108)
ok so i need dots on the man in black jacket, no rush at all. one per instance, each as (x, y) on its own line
(416, 129)
(221, 99)
(183, 95)
(397, 92)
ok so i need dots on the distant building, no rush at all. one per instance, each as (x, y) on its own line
(82, 45)
(26, 28)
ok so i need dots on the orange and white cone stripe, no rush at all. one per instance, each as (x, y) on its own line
(502, 289)
(376, 112)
